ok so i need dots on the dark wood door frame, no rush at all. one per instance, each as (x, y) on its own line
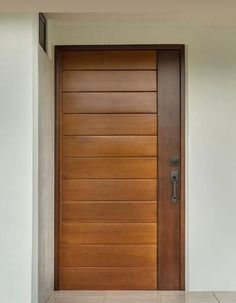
(167, 52)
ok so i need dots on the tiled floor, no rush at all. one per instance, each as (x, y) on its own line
(142, 297)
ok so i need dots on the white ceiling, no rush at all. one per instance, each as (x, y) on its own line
(222, 12)
(140, 18)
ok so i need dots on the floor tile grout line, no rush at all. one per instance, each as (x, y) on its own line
(160, 298)
(104, 297)
(217, 299)
(50, 297)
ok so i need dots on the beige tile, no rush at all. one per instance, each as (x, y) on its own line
(61, 293)
(170, 292)
(188, 297)
(132, 297)
(132, 293)
(50, 300)
(141, 297)
(78, 297)
(226, 297)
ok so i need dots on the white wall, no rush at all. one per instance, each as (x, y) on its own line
(210, 133)
(26, 162)
(211, 148)
(46, 176)
(17, 97)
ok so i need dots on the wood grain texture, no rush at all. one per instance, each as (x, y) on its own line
(108, 81)
(169, 235)
(105, 278)
(57, 160)
(109, 189)
(100, 102)
(112, 102)
(109, 212)
(108, 167)
(109, 146)
(109, 124)
(108, 60)
(73, 168)
(108, 255)
(109, 233)
(182, 165)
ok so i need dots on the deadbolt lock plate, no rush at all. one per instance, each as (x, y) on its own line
(174, 160)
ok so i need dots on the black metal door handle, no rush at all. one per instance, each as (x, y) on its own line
(174, 179)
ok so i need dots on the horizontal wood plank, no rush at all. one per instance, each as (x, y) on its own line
(108, 81)
(109, 124)
(73, 168)
(108, 255)
(108, 170)
(105, 278)
(109, 233)
(109, 212)
(109, 146)
(108, 60)
(112, 102)
(109, 189)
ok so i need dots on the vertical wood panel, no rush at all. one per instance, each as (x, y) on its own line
(182, 165)
(169, 248)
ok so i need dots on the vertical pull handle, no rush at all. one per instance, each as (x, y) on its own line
(174, 179)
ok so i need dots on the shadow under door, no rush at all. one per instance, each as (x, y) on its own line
(119, 218)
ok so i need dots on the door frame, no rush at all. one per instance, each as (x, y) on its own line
(167, 47)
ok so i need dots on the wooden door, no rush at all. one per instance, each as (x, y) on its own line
(108, 171)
